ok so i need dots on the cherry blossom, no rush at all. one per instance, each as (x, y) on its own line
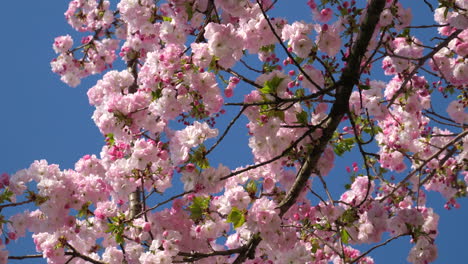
(311, 92)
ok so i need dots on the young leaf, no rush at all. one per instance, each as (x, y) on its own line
(236, 217)
(198, 157)
(364, 87)
(199, 205)
(270, 86)
(189, 10)
(110, 139)
(345, 236)
(251, 187)
(302, 118)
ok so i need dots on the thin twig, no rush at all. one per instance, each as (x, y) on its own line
(377, 246)
(25, 257)
(435, 155)
(286, 49)
(421, 62)
(226, 131)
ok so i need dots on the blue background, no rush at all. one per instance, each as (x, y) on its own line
(42, 118)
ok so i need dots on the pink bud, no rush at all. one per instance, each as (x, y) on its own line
(234, 80)
(268, 184)
(324, 27)
(146, 227)
(12, 235)
(296, 217)
(189, 167)
(228, 92)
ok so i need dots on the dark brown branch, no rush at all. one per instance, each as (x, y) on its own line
(376, 246)
(226, 131)
(344, 87)
(15, 204)
(194, 256)
(250, 67)
(75, 253)
(428, 26)
(250, 249)
(286, 49)
(309, 97)
(282, 154)
(441, 162)
(25, 257)
(243, 78)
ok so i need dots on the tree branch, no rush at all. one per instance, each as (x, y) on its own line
(435, 155)
(421, 62)
(344, 87)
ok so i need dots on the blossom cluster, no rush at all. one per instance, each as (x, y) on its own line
(161, 118)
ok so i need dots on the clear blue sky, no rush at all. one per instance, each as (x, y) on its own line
(42, 118)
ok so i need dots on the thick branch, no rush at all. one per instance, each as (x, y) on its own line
(344, 87)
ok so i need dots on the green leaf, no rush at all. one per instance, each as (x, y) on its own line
(189, 10)
(251, 187)
(343, 145)
(268, 48)
(116, 227)
(198, 157)
(302, 118)
(344, 11)
(299, 60)
(84, 211)
(6, 195)
(165, 18)
(364, 87)
(213, 65)
(270, 86)
(36, 198)
(110, 139)
(203, 164)
(236, 217)
(279, 114)
(198, 207)
(267, 89)
(338, 149)
(349, 216)
(345, 236)
(315, 245)
(155, 95)
(299, 93)
(122, 118)
(405, 33)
